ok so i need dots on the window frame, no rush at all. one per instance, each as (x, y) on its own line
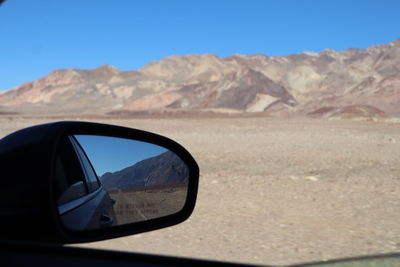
(81, 152)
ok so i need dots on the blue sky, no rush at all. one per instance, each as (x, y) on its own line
(39, 36)
(110, 154)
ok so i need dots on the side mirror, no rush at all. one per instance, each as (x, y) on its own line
(121, 181)
(71, 182)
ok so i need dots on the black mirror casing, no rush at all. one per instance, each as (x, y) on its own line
(28, 210)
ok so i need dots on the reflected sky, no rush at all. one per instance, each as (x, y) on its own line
(110, 154)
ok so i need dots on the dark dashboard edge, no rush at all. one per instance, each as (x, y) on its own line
(101, 254)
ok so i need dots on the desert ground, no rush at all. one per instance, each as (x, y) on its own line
(276, 191)
(142, 205)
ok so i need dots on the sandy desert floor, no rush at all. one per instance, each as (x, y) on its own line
(277, 191)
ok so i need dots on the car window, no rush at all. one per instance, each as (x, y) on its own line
(70, 181)
(90, 174)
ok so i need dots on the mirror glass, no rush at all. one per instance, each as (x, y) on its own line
(103, 181)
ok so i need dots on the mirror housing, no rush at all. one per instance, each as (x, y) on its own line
(28, 210)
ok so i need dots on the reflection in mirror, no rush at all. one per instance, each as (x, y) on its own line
(103, 181)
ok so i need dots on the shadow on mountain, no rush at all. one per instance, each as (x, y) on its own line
(164, 169)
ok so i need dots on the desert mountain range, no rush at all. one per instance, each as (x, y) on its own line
(359, 81)
(160, 170)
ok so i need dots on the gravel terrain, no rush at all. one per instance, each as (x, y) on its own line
(277, 191)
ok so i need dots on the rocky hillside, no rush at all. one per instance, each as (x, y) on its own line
(161, 170)
(295, 84)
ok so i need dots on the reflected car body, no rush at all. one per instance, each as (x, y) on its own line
(92, 211)
(83, 204)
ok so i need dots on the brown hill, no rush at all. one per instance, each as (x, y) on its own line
(164, 169)
(299, 83)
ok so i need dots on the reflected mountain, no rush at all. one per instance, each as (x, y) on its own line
(164, 169)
